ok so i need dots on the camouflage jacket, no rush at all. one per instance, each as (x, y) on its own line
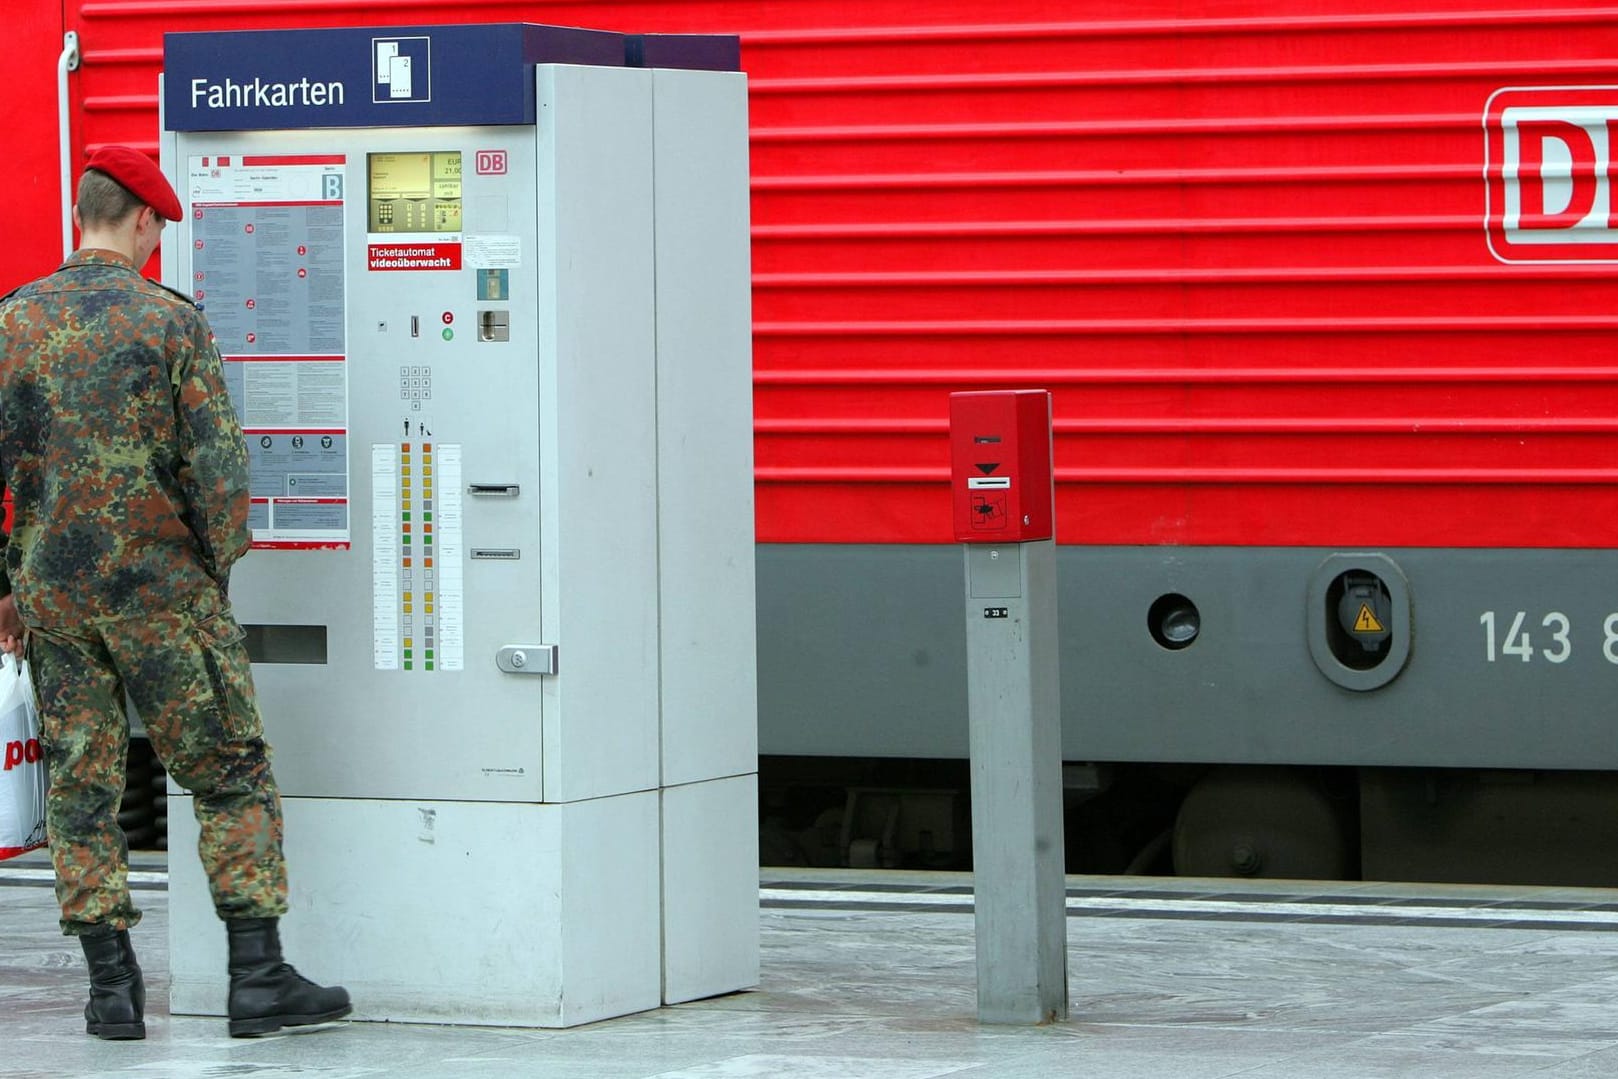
(119, 445)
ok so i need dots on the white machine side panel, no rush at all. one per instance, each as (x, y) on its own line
(448, 912)
(710, 888)
(705, 427)
(597, 430)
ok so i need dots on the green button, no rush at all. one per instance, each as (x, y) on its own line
(449, 334)
(429, 664)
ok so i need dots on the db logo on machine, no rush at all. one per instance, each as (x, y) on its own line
(1549, 167)
(491, 162)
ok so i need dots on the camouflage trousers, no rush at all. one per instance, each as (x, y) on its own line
(188, 676)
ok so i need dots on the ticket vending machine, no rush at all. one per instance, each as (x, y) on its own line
(482, 294)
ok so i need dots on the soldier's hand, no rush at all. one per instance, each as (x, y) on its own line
(11, 627)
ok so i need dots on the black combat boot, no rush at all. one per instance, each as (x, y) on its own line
(266, 994)
(117, 992)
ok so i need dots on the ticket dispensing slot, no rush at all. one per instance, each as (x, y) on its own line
(493, 490)
(285, 644)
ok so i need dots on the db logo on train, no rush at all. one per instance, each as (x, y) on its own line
(21, 753)
(1550, 159)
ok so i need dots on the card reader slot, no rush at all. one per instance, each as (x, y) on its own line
(493, 490)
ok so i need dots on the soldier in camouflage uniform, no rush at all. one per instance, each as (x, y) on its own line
(128, 474)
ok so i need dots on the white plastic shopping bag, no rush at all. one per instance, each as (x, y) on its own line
(22, 763)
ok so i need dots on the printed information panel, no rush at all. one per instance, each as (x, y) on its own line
(267, 267)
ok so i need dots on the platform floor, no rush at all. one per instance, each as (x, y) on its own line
(870, 975)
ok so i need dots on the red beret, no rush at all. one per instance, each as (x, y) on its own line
(139, 175)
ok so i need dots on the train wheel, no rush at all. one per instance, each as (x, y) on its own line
(143, 813)
(1266, 822)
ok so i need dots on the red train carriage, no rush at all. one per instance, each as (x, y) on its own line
(1324, 294)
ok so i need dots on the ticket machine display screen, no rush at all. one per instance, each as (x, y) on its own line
(415, 192)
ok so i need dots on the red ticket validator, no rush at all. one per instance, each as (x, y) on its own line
(1001, 478)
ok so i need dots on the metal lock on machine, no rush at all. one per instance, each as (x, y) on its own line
(527, 659)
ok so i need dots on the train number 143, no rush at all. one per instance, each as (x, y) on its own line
(1517, 642)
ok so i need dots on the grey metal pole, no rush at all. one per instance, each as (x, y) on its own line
(1018, 857)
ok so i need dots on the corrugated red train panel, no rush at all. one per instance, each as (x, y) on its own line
(1246, 250)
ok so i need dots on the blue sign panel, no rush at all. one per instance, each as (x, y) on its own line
(276, 80)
